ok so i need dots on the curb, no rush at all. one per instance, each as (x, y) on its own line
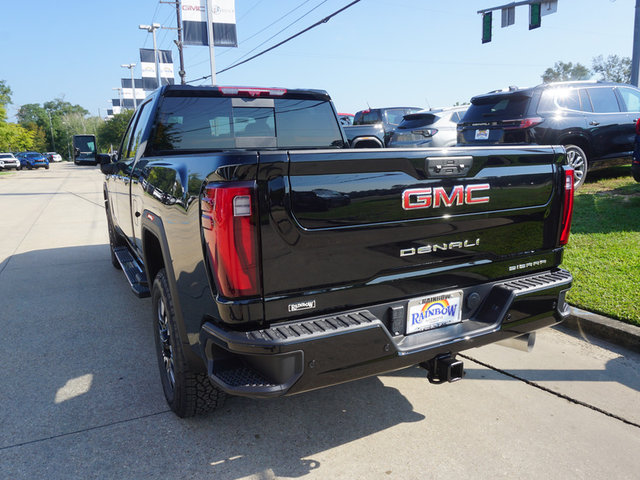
(614, 331)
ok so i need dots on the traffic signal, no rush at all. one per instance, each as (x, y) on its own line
(487, 18)
(535, 17)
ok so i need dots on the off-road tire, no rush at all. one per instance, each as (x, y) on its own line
(188, 393)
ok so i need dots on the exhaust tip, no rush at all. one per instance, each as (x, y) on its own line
(524, 343)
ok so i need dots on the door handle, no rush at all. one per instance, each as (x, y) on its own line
(594, 123)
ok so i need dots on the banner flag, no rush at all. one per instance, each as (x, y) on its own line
(148, 65)
(223, 18)
(126, 83)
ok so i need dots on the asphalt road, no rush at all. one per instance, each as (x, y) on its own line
(80, 393)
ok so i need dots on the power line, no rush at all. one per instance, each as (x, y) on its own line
(260, 31)
(324, 20)
(276, 21)
(282, 30)
(251, 9)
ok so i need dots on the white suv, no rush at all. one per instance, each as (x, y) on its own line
(7, 160)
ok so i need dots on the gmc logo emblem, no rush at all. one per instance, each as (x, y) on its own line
(415, 198)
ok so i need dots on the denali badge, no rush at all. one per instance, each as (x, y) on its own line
(436, 197)
(407, 252)
(296, 307)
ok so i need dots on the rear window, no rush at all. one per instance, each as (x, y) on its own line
(497, 107)
(367, 117)
(213, 123)
(84, 143)
(395, 115)
(416, 120)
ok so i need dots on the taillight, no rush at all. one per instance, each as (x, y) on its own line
(253, 91)
(638, 126)
(567, 206)
(230, 229)
(426, 132)
(524, 123)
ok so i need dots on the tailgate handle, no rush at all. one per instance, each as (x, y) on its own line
(457, 166)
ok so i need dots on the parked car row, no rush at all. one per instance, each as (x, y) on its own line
(22, 160)
(594, 121)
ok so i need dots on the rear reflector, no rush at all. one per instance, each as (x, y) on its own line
(567, 206)
(229, 227)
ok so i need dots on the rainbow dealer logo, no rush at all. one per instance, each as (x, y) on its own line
(434, 313)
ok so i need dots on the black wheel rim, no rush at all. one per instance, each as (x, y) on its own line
(166, 350)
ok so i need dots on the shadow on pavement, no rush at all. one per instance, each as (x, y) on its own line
(82, 382)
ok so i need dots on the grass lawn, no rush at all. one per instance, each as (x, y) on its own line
(604, 248)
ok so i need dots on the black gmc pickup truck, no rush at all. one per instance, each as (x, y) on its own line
(279, 260)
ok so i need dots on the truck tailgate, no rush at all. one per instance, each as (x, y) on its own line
(342, 228)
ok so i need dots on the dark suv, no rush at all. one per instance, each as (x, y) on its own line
(595, 121)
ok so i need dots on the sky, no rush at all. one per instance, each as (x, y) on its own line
(377, 53)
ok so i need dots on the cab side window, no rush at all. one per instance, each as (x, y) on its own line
(585, 101)
(140, 125)
(603, 100)
(631, 99)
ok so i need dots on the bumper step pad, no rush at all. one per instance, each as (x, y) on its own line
(304, 330)
(539, 281)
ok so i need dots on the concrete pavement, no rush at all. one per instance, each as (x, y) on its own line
(81, 396)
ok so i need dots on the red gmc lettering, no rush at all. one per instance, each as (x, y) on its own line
(422, 198)
(416, 198)
(473, 188)
(439, 194)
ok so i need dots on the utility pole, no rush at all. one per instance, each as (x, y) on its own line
(178, 42)
(635, 60)
(131, 66)
(152, 29)
(53, 143)
(182, 73)
(211, 47)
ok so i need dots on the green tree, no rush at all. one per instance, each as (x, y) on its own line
(59, 120)
(5, 99)
(38, 136)
(14, 138)
(613, 68)
(110, 132)
(32, 113)
(563, 72)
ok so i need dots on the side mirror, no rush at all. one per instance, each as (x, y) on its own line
(106, 167)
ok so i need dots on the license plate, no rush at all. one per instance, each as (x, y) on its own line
(482, 134)
(434, 311)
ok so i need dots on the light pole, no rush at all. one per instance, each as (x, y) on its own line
(53, 142)
(152, 28)
(119, 97)
(635, 59)
(131, 66)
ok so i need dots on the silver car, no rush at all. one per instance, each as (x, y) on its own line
(428, 128)
(7, 160)
(53, 156)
